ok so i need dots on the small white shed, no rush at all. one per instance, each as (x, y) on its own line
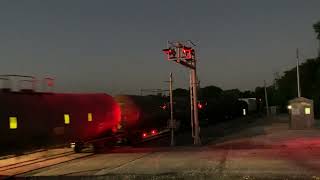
(301, 113)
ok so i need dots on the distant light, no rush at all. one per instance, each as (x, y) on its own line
(114, 129)
(164, 107)
(307, 110)
(289, 107)
(66, 119)
(200, 106)
(13, 122)
(50, 83)
(244, 112)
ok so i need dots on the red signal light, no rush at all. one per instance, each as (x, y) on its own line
(144, 135)
(164, 107)
(170, 52)
(188, 52)
(154, 132)
(200, 106)
(184, 51)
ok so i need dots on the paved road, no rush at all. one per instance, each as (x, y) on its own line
(271, 151)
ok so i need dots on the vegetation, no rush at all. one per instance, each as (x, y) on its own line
(316, 28)
(283, 89)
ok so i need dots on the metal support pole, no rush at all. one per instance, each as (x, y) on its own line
(182, 54)
(266, 98)
(197, 140)
(191, 105)
(171, 111)
(298, 75)
(319, 48)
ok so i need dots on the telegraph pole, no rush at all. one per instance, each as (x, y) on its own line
(195, 106)
(191, 105)
(298, 74)
(266, 97)
(171, 111)
(183, 53)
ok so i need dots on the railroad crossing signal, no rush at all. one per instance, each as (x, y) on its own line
(170, 52)
(188, 53)
(183, 53)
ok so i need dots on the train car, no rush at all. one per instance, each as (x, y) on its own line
(142, 117)
(182, 112)
(32, 119)
(224, 109)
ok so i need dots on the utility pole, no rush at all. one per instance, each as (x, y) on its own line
(183, 53)
(298, 74)
(171, 111)
(266, 97)
(191, 105)
(195, 106)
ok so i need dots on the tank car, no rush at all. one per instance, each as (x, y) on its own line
(142, 116)
(33, 119)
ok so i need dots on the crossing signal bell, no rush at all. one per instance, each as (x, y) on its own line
(170, 52)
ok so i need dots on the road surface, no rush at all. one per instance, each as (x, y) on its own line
(269, 151)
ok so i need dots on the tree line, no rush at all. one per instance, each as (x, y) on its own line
(281, 91)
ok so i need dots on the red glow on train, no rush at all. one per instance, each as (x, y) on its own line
(154, 132)
(144, 135)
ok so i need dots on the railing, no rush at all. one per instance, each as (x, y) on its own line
(8, 80)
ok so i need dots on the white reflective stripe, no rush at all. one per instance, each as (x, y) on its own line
(244, 112)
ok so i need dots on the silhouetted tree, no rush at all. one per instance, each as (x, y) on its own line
(247, 94)
(235, 93)
(316, 28)
(287, 85)
(211, 92)
(179, 92)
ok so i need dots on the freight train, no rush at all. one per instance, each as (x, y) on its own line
(210, 110)
(33, 119)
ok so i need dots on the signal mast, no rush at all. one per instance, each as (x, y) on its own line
(183, 53)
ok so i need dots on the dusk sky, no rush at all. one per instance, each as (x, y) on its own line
(115, 46)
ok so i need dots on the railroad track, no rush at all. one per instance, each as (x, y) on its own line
(103, 171)
(19, 165)
(15, 167)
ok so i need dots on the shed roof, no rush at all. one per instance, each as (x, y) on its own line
(300, 99)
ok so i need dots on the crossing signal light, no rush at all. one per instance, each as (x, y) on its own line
(200, 106)
(144, 135)
(170, 52)
(188, 52)
(164, 107)
(154, 132)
